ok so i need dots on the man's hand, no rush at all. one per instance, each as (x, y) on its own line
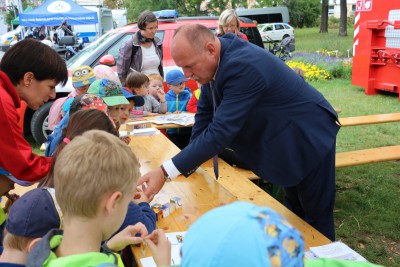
(155, 180)
(160, 247)
(127, 237)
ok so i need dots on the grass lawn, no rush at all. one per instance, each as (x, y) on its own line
(367, 216)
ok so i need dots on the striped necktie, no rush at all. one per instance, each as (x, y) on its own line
(215, 158)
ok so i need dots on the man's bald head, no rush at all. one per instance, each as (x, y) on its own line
(196, 50)
(195, 34)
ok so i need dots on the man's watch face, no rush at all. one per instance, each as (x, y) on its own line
(167, 179)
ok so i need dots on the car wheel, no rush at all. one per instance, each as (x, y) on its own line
(285, 36)
(39, 123)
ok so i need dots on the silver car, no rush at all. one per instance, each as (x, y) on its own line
(275, 31)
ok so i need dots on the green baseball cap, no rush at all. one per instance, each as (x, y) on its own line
(110, 91)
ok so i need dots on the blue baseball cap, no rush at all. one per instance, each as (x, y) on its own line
(242, 234)
(12, 178)
(139, 100)
(175, 77)
(33, 214)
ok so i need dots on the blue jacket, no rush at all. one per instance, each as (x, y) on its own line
(277, 123)
(178, 103)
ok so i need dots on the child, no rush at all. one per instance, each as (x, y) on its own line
(134, 101)
(6, 185)
(82, 77)
(82, 121)
(177, 98)
(111, 93)
(29, 219)
(156, 85)
(242, 235)
(94, 177)
(86, 101)
(192, 104)
(138, 83)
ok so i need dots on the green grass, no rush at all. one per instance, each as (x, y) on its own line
(367, 216)
(368, 198)
(310, 40)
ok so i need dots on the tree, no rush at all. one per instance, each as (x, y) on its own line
(324, 16)
(343, 18)
(302, 13)
(217, 6)
(184, 7)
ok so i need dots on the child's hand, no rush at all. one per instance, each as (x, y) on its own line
(11, 198)
(126, 139)
(177, 112)
(161, 95)
(160, 247)
(127, 237)
(140, 197)
(152, 114)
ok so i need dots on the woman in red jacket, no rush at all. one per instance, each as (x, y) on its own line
(29, 71)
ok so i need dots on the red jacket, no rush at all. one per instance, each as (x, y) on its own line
(16, 154)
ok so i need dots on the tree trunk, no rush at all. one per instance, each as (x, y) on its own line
(324, 17)
(343, 18)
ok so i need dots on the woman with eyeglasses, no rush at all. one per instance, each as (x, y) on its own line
(229, 22)
(142, 53)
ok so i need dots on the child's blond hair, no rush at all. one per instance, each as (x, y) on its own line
(155, 76)
(136, 80)
(16, 242)
(91, 166)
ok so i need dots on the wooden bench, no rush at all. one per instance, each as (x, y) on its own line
(350, 158)
(371, 119)
(359, 157)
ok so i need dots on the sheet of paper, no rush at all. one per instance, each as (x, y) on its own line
(336, 250)
(183, 119)
(145, 131)
(148, 262)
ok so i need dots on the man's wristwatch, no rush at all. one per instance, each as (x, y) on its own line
(166, 176)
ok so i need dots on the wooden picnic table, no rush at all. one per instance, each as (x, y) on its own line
(201, 192)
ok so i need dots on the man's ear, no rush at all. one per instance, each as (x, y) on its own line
(210, 46)
(33, 243)
(112, 200)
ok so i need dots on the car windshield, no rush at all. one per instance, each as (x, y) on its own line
(78, 60)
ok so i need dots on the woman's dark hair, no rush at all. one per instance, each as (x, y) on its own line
(145, 18)
(80, 122)
(30, 55)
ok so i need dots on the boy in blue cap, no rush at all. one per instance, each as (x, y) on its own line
(177, 98)
(29, 219)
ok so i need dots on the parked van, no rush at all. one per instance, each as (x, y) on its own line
(94, 31)
(265, 15)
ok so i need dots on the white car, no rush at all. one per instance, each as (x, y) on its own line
(275, 31)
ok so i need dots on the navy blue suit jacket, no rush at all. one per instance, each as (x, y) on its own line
(277, 123)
